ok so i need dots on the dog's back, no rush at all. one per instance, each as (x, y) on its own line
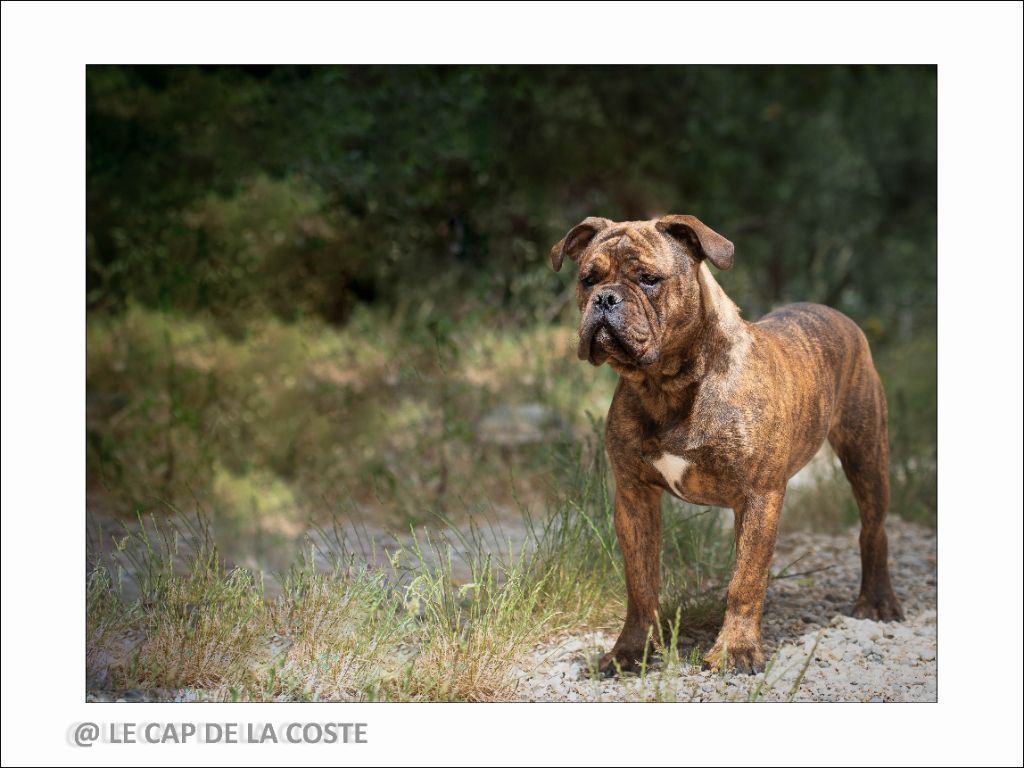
(816, 342)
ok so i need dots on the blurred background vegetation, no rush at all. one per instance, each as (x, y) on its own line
(324, 289)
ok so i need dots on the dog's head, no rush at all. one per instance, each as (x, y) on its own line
(639, 285)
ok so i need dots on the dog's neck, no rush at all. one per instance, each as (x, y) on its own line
(711, 358)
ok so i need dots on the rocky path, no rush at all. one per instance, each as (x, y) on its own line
(816, 653)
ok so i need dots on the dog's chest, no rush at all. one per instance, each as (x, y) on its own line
(673, 469)
(688, 480)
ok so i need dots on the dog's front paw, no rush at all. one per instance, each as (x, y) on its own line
(885, 607)
(741, 655)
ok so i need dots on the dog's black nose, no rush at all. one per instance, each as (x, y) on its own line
(608, 298)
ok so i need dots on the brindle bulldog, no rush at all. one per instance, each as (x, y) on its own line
(723, 412)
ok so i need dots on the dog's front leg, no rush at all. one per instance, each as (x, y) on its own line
(638, 528)
(739, 642)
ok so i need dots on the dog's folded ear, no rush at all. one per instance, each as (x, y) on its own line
(573, 244)
(707, 243)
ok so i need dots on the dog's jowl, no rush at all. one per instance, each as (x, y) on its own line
(720, 411)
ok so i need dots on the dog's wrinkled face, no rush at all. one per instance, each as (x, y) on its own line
(631, 284)
(638, 289)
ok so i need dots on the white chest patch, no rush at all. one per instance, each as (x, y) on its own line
(673, 468)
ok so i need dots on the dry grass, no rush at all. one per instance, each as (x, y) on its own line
(408, 630)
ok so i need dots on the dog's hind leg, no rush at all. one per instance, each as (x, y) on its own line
(860, 437)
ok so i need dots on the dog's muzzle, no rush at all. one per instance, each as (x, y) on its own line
(603, 325)
(604, 330)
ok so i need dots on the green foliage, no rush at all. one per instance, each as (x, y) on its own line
(301, 191)
(909, 372)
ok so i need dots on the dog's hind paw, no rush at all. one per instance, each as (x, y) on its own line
(882, 608)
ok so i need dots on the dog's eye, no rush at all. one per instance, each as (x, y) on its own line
(588, 281)
(649, 280)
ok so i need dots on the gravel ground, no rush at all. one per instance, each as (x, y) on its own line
(815, 652)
